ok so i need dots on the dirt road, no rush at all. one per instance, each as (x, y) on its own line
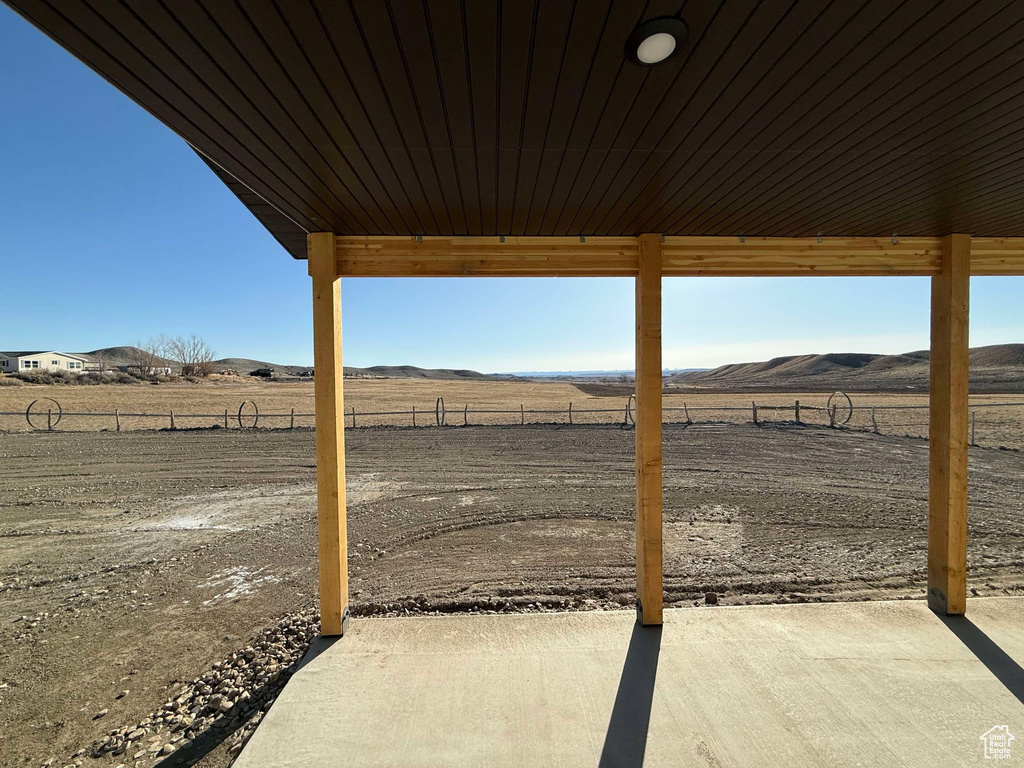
(131, 561)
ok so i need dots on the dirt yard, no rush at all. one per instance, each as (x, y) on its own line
(994, 427)
(132, 564)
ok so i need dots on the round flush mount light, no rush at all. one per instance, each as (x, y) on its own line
(656, 40)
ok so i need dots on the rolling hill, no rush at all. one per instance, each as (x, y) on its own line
(998, 368)
(123, 356)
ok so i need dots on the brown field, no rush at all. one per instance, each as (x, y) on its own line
(131, 564)
(995, 427)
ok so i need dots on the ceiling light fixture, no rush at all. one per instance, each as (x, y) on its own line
(656, 40)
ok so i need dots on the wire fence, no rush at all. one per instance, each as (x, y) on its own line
(995, 424)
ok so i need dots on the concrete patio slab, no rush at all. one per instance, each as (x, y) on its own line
(841, 684)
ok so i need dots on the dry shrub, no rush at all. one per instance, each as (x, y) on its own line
(66, 377)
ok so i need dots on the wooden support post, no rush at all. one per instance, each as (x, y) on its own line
(465, 416)
(874, 421)
(947, 434)
(687, 412)
(649, 591)
(172, 419)
(414, 415)
(291, 424)
(796, 412)
(570, 411)
(522, 414)
(225, 418)
(974, 418)
(117, 420)
(753, 407)
(332, 535)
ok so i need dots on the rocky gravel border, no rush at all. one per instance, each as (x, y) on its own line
(224, 704)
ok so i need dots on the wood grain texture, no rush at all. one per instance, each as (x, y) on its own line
(780, 256)
(332, 535)
(948, 431)
(648, 432)
(680, 256)
(486, 256)
(997, 256)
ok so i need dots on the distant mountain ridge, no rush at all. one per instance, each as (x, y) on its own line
(125, 356)
(993, 368)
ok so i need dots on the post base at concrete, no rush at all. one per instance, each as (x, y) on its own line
(939, 604)
(335, 631)
(640, 617)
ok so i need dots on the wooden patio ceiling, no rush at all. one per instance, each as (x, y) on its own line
(440, 117)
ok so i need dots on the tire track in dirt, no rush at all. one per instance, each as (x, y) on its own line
(162, 552)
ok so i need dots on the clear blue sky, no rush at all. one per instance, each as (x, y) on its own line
(112, 230)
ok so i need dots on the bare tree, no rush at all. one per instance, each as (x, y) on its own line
(192, 354)
(102, 362)
(147, 357)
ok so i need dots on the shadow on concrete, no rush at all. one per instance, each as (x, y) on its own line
(626, 740)
(317, 647)
(999, 662)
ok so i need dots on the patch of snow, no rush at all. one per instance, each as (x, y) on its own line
(240, 580)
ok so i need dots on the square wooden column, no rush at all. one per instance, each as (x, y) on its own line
(648, 432)
(948, 431)
(332, 535)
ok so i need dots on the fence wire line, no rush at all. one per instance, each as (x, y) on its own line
(683, 408)
(759, 412)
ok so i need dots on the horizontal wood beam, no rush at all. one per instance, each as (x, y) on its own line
(471, 256)
(487, 256)
(795, 256)
(996, 256)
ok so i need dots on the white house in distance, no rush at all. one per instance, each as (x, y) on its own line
(13, 362)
